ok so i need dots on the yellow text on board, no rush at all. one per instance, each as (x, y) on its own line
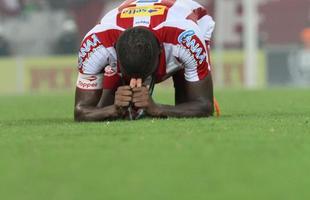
(143, 11)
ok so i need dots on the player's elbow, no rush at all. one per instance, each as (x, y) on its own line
(80, 114)
(206, 108)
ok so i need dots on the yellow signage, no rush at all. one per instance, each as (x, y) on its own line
(142, 11)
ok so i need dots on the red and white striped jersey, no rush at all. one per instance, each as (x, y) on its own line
(183, 27)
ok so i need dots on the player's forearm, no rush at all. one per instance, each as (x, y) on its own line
(191, 109)
(88, 114)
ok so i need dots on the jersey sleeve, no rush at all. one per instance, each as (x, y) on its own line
(93, 55)
(97, 58)
(204, 21)
(206, 25)
(191, 51)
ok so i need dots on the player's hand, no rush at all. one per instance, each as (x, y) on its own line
(123, 98)
(142, 99)
(140, 94)
(135, 83)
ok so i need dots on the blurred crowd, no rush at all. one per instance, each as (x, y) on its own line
(57, 26)
(42, 27)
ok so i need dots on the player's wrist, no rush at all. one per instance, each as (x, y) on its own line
(154, 110)
(116, 111)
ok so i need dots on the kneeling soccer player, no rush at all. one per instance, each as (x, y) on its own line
(137, 45)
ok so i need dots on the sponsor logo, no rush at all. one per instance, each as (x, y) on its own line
(109, 71)
(83, 85)
(187, 39)
(142, 22)
(92, 78)
(88, 45)
(89, 82)
(143, 11)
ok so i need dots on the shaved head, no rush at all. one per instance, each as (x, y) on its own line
(138, 52)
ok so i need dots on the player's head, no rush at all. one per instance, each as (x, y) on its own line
(138, 52)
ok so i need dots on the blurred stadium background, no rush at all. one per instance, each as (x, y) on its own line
(257, 43)
(259, 148)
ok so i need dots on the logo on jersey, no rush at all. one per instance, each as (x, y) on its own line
(109, 71)
(142, 22)
(89, 82)
(143, 11)
(87, 46)
(187, 39)
(92, 78)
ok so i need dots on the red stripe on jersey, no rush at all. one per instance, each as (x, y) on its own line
(197, 14)
(125, 23)
(111, 82)
(108, 38)
(203, 70)
(158, 19)
(169, 35)
(161, 70)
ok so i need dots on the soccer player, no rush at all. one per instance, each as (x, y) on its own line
(137, 45)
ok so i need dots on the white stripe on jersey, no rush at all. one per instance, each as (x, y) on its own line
(172, 64)
(110, 17)
(189, 62)
(96, 61)
(177, 11)
(142, 20)
(207, 25)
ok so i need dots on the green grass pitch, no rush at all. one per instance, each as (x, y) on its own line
(259, 149)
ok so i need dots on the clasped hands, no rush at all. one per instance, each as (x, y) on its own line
(135, 95)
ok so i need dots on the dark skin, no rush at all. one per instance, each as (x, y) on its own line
(192, 99)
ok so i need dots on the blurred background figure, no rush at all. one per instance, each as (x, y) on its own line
(266, 47)
(4, 45)
(302, 74)
(305, 36)
(10, 7)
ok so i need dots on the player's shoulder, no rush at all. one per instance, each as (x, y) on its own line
(186, 7)
(110, 17)
(102, 27)
(174, 28)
